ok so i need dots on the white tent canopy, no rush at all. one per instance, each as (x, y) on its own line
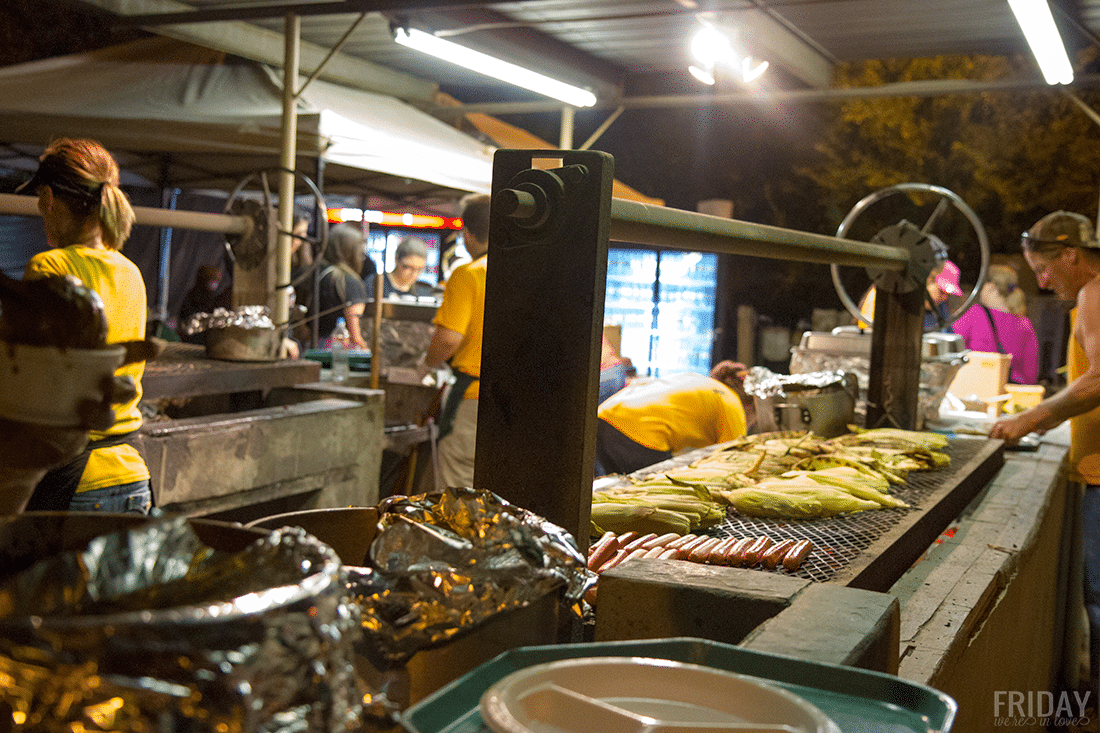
(179, 115)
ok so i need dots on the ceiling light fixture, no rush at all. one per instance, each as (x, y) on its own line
(1042, 35)
(494, 67)
(712, 48)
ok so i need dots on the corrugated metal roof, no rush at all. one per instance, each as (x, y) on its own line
(611, 44)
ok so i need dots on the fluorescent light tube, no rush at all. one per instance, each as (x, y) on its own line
(503, 70)
(1042, 35)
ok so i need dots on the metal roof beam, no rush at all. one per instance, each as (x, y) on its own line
(278, 10)
(259, 44)
(930, 88)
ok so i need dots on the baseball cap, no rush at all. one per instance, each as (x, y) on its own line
(52, 172)
(948, 279)
(1061, 227)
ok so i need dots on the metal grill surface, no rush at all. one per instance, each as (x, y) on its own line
(840, 539)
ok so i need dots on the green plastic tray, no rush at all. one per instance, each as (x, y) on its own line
(857, 700)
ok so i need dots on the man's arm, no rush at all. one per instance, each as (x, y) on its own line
(1081, 395)
(443, 346)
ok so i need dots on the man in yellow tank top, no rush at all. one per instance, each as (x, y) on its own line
(1062, 250)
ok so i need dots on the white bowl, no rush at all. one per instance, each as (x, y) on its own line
(643, 695)
(45, 385)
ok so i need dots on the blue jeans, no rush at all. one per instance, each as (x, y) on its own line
(612, 380)
(135, 498)
(1090, 516)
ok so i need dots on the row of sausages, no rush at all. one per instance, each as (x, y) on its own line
(744, 552)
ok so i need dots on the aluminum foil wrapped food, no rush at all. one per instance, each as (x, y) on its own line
(148, 629)
(763, 383)
(445, 562)
(248, 317)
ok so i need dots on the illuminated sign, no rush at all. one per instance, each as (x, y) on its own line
(394, 219)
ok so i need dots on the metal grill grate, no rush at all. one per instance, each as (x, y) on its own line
(839, 540)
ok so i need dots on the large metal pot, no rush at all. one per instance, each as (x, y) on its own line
(827, 411)
(236, 343)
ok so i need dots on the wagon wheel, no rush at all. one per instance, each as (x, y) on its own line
(250, 249)
(915, 239)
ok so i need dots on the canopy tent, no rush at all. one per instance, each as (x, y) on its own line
(180, 115)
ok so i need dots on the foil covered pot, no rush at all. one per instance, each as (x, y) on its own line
(148, 628)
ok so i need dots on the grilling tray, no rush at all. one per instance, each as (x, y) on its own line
(853, 699)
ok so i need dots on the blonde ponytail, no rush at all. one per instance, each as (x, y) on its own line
(116, 216)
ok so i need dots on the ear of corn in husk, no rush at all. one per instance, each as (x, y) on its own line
(892, 438)
(833, 499)
(856, 485)
(773, 504)
(618, 517)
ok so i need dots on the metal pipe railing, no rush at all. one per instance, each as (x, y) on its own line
(19, 205)
(660, 226)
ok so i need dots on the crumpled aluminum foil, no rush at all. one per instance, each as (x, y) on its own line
(763, 383)
(445, 562)
(148, 629)
(253, 317)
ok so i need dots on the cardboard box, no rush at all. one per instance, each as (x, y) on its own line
(983, 377)
(1024, 396)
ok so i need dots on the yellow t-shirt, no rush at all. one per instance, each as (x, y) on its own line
(118, 282)
(676, 413)
(463, 311)
(1084, 461)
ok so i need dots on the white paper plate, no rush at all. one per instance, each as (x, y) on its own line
(642, 695)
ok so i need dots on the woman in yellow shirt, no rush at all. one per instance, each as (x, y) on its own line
(87, 219)
(650, 421)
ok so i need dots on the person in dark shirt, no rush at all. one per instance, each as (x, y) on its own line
(403, 281)
(340, 290)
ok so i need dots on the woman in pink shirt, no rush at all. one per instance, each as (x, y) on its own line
(990, 326)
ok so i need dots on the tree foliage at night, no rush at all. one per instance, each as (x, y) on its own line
(1013, 156)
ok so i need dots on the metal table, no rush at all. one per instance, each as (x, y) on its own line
(184, 370)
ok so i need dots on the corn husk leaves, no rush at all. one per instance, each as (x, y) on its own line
(789, 475)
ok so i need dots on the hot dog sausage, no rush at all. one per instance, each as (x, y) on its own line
(637, 542)
(617, 558)
(661, 541)
(682, 540)
(700, 552)
(756, 550)
(797, 554)
(775, 553)
(717, 555)
(627, 537)
(735, 555)
(602, 551)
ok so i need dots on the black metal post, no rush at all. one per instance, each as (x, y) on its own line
(540, 361)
